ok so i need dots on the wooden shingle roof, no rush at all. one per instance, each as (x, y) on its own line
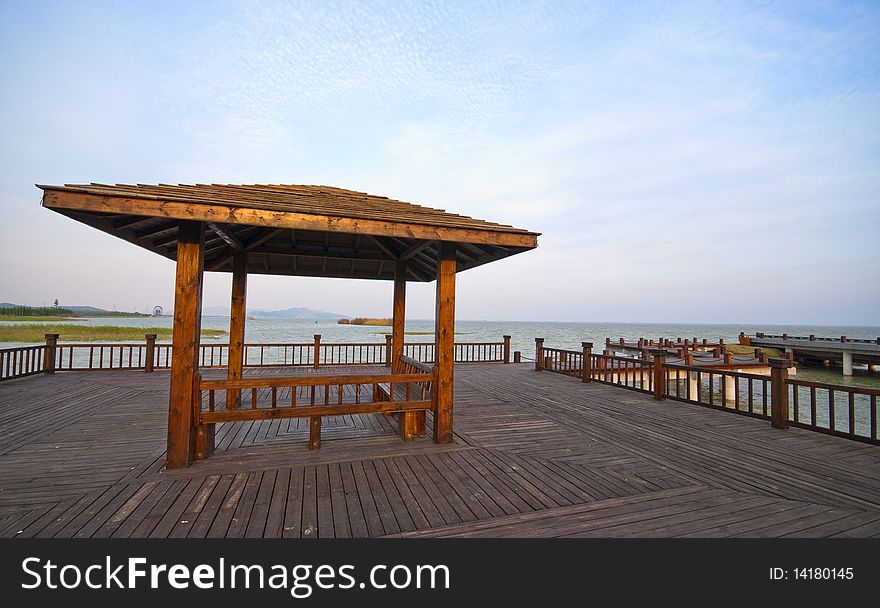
(290, 229)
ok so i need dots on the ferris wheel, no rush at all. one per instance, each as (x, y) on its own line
(158, 311)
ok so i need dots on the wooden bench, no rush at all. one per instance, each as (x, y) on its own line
(409, 424)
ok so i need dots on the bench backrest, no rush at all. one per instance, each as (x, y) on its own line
(408, 365)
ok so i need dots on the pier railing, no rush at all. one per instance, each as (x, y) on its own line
(842, 410)
(150, 355)
(625, 372)
(21, 362)
(812, 338)
(846, 411)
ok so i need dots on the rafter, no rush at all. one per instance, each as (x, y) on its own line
(227, 235)
(414, 249)
(388, 251)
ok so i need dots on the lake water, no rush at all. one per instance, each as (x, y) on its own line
(523, 334)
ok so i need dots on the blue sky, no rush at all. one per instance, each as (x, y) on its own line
(690, 162)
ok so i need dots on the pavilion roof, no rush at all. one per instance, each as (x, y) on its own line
(290, 229)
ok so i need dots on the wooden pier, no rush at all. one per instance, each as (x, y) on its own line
(533, 455)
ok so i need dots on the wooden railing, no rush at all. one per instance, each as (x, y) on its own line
(742, 393)
(150, 355)
(465, 352)
(561, 361)
(100, 356)
(21, 362)
(625, 372)
(844, 411)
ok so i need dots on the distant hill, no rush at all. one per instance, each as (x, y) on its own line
(289, 313)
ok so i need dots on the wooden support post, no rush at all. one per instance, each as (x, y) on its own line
(659, 374)
(779, 393)
(150, 353)
(517, 356)
(182, 401)
(237, 316)
(539, 354)
(388, 348)
(49, 354)
(444, 343)
(507, 349)
(315, 433)
(407, 422)
(317, 355)
(587, 366)
(204, 432)
(399, 313)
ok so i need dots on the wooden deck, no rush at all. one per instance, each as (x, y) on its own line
(534, 454)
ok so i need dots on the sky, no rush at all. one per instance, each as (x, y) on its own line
(692, 162)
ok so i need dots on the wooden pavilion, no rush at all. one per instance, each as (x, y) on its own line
(313, 231)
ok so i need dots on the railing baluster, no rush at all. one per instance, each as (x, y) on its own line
(852, 413)
(873, 411)
(813, 405)
(831, 412)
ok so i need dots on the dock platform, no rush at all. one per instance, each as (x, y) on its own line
(534, 454)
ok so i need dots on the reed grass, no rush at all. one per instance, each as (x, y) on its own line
(740, 349)
(365, 321)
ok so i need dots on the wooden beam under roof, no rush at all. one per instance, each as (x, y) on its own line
(252, 244)
(227, 235)
(414, 249)
(64, 198)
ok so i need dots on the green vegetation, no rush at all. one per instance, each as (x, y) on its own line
(17, 312)
(739, 349)
(365, 321)
(89, 333)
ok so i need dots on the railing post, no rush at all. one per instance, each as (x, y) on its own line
(150, 353)
(49, 353)
(779, 393)
(317, 356)
(388, 341)
(587, 365)
(507, 349)
(539, 354)
(517, 356)
(659, 374)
